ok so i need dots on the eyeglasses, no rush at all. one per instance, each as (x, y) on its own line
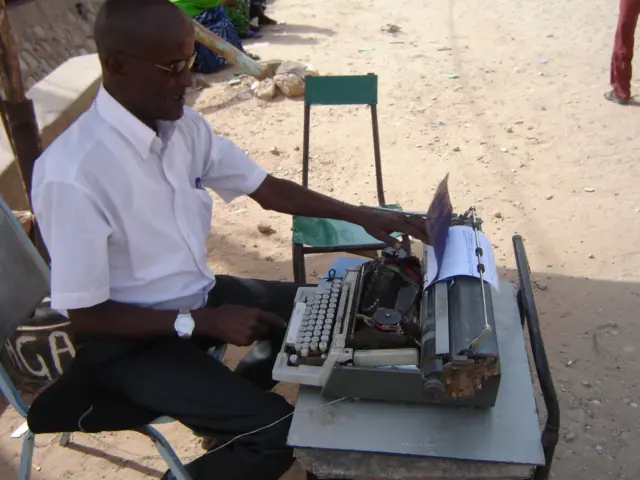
(176, 68)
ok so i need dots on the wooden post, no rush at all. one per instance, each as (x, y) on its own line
(18, 115)
(230, 53)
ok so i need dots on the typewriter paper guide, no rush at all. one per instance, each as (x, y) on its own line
(454, 248)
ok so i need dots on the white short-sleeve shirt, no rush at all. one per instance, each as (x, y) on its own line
(123, 210)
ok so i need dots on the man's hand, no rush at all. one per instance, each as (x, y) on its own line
(237, 325)
(381, 223)
(287, 197)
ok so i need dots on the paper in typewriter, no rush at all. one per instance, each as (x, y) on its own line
(454, 248)
(438, 222)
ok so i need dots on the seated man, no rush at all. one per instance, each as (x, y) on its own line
(122, 208)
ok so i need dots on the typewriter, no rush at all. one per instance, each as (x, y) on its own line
(379, 333)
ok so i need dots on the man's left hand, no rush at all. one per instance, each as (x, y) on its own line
(381, 223)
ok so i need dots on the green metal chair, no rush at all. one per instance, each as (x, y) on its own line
(323, 235)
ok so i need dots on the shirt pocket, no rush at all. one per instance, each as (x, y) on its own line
(200, 205)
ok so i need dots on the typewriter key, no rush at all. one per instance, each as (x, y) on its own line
(305, 352)
(324, 338)
(293, 359)
(313, 347)
(323, 346)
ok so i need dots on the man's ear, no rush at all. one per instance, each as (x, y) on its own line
(115, 64)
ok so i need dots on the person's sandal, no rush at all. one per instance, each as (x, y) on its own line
(611, 96)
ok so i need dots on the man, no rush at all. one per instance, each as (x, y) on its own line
(121, 204)
(622, 57)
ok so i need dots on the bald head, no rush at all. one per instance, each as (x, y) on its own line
(145, 48)
(138, 25)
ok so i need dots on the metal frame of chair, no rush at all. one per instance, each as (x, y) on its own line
(346, 90)
(17, 301)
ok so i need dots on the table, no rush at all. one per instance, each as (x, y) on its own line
(367, 439)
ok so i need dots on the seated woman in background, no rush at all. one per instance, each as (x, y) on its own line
(229, 19)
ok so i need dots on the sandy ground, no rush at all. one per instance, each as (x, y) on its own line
(526, 136)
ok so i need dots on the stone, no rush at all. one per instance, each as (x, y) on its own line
(290, 77)
(266, 89)
(570, 437)
(265, 228)
(39, 32)
(599, 449)
(589, 189)
(549, 197)
(269, 67)
(29, 60)
(290, 84)
(497, 214)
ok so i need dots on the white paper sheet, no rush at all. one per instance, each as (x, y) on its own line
(460, 256)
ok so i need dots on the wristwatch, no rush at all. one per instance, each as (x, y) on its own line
(184, 324)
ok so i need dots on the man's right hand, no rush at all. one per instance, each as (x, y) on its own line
(237, 325)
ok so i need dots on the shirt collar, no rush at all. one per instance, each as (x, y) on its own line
(139, 134)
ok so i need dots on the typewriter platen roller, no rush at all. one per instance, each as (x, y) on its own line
(378, 334)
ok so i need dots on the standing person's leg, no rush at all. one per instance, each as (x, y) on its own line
(177, 378)
(622, 57)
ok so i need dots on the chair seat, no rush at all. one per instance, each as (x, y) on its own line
(325, 232)
(61, 406)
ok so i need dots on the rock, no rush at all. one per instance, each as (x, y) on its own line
(510, 130)
(596, 402)
(586, 384)
(589, 189)
(497, 214)
(626, 401)
(599, 449)
(266, 89)
(246, 95)
(592, 256)
(269, 67)
(265, 228)
(549, 197)
(504, 150)
(456, 149)
(275, 151)
(570, 437)
(633, 405)
(290, 84)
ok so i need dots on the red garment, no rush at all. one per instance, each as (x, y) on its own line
(623, 48)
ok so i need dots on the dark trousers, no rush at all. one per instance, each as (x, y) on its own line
(178, 378)
(623, 48)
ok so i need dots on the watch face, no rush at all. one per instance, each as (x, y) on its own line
(184, 324)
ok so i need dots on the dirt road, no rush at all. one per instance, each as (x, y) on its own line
(506, 96)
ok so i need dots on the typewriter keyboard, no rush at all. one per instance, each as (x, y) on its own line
(311, 326)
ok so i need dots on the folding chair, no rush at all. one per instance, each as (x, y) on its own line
(24, 283)
(323, 235)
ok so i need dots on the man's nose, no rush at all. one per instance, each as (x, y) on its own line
(185, 77)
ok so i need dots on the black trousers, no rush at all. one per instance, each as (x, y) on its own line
(178, 378)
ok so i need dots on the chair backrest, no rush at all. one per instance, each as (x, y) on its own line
(24, 276)
(341, 90)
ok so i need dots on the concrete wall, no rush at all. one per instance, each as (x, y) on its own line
(50, 32)
(58, 99)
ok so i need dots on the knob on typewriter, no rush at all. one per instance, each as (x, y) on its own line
(394, 254)
(433, 389)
